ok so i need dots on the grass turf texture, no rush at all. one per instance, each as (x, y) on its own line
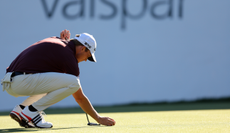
(204, 121)
(207, 115)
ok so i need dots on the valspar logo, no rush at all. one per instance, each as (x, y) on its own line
(87, 9)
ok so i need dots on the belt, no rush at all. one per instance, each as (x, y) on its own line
(18, 73)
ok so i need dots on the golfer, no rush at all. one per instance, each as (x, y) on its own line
(48, 72)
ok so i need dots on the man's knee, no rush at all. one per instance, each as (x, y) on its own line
(75, 84)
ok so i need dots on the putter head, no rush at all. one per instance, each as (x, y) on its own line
(93, 124)
(90, 123)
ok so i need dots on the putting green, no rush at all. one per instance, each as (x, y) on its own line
(190, 121)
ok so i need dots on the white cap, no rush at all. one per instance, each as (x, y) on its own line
(89, 42)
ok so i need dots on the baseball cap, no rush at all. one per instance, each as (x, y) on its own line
(89, 42)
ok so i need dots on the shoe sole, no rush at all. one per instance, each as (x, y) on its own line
(24, 121)
(21, 123)
(26, 118)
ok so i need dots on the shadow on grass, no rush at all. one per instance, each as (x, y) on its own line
(10, 130)
(203, 104)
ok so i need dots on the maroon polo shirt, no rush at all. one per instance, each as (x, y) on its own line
(48, 55)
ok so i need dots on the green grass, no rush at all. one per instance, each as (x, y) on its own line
(203, 116)
(189, 121)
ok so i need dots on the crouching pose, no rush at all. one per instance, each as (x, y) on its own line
(48, 72)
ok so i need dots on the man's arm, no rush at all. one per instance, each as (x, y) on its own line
(86, 106)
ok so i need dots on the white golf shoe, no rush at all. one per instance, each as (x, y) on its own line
(35, 117)
(14, 114)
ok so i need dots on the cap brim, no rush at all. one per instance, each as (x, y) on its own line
(92, 58)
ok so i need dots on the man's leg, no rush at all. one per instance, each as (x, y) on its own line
(32, 99)
(35, 84)
(57, 86)
(14, 114)
(53, 97)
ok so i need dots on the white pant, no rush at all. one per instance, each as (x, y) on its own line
(44, 89)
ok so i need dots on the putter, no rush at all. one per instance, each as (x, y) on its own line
(90, 123)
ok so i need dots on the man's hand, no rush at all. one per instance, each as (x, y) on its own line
(65, 35)
(106, 121)
(86, 106)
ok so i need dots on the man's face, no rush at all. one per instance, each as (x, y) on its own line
(82, 54)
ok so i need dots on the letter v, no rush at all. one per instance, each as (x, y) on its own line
(49, 14)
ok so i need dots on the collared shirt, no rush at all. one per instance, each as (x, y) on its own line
(48, 55)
